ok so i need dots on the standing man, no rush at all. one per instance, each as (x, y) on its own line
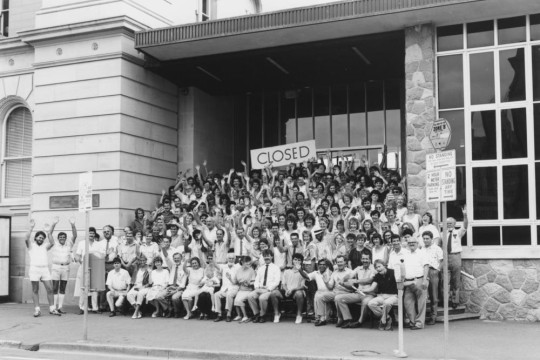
(434, 256)
(61, 258)
(39, 267)
(416, 284)
(128, 251)
(111, 251)
(454, 256)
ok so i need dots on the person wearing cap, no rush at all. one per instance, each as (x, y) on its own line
(416, 284)
(138, 292)
(118, 281)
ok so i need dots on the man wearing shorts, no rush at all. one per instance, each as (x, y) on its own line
(39, 267)
(61, 258)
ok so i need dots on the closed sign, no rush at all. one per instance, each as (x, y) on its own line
(283, 155)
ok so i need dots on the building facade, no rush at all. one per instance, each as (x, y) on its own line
(135, 92)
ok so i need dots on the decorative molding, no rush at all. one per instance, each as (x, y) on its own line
(114, 55)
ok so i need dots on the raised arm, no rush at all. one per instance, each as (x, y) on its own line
(53, 225)
(73, 231)
(32, 224)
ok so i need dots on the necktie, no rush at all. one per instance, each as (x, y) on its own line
(146, 278)
(241, 243)
(175, 275)
(107, 251)
(449, 242)
(265, 275)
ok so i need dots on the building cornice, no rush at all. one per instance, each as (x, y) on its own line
(114, 25)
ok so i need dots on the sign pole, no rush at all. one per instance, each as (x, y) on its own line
(86, 276)
(445, 279)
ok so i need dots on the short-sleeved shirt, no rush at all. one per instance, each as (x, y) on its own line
(118, 280)
(318, 277)
(386, 284)
(292, 279)
(243, 275)
(340, 276)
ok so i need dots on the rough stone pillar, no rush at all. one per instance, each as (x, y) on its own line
(420, 108)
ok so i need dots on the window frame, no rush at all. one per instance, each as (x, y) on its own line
(4, 14)
(496, 251)
(3, 158)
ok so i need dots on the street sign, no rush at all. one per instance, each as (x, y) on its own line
(441, 176)
(85, 191)
(441, 160)
(440, 134)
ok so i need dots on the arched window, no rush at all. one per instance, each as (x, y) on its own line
(17, 154)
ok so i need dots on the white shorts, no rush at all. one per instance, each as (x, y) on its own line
(60, 272)
(39, 273)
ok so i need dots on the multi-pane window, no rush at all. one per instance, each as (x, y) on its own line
(17, 154)
(4, 18)
(204, 10)
(489, 83)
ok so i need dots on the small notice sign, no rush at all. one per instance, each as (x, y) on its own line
(440, 134)
(85, 191)
(441, 182)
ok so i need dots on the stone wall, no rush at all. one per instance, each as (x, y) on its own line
(420, 109)
(502, 289)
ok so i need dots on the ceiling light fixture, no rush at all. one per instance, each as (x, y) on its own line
(276, 64)
(209, 73)
(361, 56)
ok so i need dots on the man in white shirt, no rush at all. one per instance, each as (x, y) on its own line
(240, 243)
(416, 284)
(324, 293)
(398, 252)
(228, 289)
(39, 268)
(61, 258)
(175, 288)
(266, 283)
(434, 256)
(337, 284)
(110, 242)
(118, 281)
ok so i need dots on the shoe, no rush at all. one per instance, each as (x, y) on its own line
(219, 318)
(381, 325)
(228, 319)
(177, 316)
(276, 318)
(255, 319)
(262, 320)
(237, 318)
(298, 320)
(112, 314)
(431, 321)
(187, 317)
(134, 315)
(167, 314)
(37, 313)
(388, 326)
(139, 315)
(55, 312)
(61, 311)
(455, 305)
(414, 327)
(340, 323)
(352, 325)
(320, 323)
(155, 314)
(245, 320)
(81, 312)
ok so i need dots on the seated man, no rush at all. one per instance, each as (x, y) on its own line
(363, 276)
(118, 281)
(266, 288)
(384, 283)
(228, 289)
(293, 285)
(322, 279)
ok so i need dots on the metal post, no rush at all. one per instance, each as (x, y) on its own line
(86, 276)
(445, 278)
(400, 353)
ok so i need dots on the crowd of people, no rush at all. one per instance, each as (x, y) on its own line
(231, 246)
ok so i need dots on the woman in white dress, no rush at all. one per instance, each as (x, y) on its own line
(412, 217)
(379, 251)
(159, 278)
(195, 276)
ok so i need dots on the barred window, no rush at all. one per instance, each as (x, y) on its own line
(18, 154)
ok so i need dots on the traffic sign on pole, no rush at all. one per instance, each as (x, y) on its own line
(85, 191)
(441, 176)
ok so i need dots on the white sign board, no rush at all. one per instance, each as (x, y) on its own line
(283, 155)
(441, 176)
(85, 191)
(440, 160)
(440, 134)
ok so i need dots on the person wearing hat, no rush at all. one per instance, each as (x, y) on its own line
(118, 281)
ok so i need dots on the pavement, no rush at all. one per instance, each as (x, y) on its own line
(195, 339)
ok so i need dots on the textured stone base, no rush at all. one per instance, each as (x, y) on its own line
(502, 289)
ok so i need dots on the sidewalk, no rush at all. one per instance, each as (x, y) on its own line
(470, 339)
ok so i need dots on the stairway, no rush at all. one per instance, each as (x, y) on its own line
(456, 314)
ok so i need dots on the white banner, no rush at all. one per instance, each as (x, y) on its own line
(283, 155)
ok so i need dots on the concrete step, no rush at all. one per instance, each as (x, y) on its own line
(456, 317)
(459, 310)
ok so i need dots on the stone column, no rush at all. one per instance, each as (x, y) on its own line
(420, 109)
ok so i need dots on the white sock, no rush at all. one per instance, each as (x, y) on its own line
(37, 308)
(55, 300)
(52, 307)
(60, 300)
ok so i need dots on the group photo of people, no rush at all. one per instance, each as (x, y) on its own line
(316, 242)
